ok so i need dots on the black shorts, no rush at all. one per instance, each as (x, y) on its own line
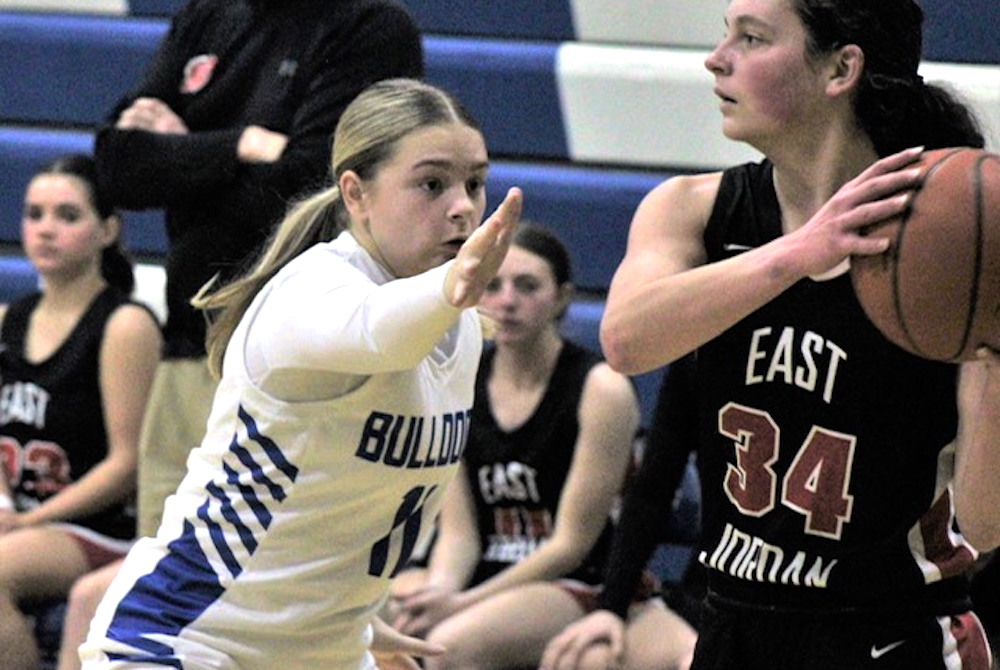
(732, 639)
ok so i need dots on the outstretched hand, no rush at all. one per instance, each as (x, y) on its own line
(395, 651)
(480, 257)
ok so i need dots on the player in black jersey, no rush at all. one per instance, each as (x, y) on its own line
(76, 364)
(523, 534)
(847, 485)
(607, 637)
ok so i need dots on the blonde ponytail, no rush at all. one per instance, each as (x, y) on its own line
(312, 220)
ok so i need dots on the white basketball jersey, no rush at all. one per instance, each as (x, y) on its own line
(280, 542)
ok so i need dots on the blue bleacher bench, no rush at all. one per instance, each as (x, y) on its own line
(70, 69)
(539, 100)
(510, 88)
(17, 278)
(581, 324)
(24, 150)
(554, 101)
(154, 7)
(590, 209)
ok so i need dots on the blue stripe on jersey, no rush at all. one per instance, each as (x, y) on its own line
(166, 600)
(272, 450)
(218, 535)
(230, 514)
(249, 495)
(184, 583)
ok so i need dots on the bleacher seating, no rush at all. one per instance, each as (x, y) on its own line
(62, 69)
(567, 102)
(165, 8)
(24, 150)
(959, 31)
(17, 278)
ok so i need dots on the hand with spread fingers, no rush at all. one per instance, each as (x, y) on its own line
(480, 257)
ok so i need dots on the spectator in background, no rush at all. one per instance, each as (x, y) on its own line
(612, 636)
(347, 366)
(77, 360)
(233, 118)
(524, 532)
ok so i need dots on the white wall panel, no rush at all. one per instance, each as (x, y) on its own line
(72, 6)
(674, 23)
(655, 107)
(151, 288)
(642, 106)
(978, 85)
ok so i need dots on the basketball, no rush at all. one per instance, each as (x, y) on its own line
(936, 291)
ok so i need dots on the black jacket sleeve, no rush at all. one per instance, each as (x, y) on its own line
(343, 50)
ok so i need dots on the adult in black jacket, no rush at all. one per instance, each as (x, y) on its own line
(233, 118)
(250, 92)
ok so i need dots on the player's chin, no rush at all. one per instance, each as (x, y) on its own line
(445, 255)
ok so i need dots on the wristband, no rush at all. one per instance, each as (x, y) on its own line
(6, 503)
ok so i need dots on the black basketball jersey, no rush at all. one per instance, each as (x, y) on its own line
(517, 477)
(826, 451)
(51, 416)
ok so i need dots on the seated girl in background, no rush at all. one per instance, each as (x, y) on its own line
(76, 363)
(525, 528)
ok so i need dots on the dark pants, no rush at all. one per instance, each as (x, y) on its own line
(741, 640)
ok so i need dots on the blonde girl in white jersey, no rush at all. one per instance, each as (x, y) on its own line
(346, 369)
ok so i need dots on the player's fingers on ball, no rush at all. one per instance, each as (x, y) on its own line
(888, 187)
(870, 246)
(550, 655)
(895, 161)
(878, 210)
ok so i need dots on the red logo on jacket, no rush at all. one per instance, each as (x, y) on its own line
(198, 72)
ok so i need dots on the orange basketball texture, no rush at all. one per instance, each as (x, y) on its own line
(936, 291)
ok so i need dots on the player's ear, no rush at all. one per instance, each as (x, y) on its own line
(846, 65)
(352, 192)
(111, 229)
(564, 297)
